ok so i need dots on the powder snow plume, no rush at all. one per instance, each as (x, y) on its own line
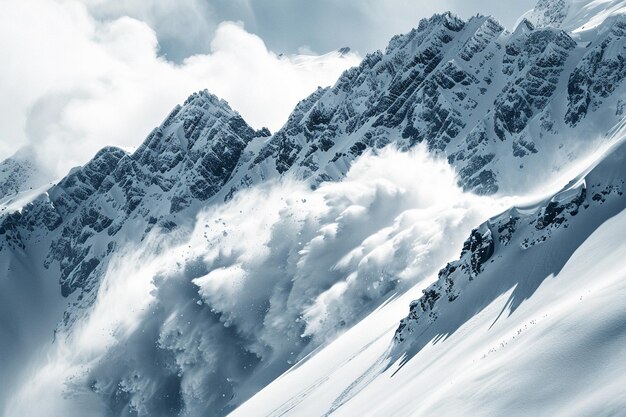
(261, 281)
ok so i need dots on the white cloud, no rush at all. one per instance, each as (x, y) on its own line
(73, 83)
(183, 26)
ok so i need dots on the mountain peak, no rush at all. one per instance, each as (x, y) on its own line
(524, 26)
(15, 173)
(344, 51)
(164, 226)
(204, 98)
(21, 174)
(549, 12)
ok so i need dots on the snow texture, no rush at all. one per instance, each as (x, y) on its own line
(220, 269)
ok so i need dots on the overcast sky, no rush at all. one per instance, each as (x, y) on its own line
(288, 26)
(78, 75)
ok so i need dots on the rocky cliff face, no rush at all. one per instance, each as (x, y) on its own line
(119, 197)
(504, 108)
(485, 98)
(586, 201)
(599, 74)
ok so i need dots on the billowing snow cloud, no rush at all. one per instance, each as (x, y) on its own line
(72, 83)
(260, 282)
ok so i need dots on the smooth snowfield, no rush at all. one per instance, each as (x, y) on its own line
(540, 332)
(562, 353)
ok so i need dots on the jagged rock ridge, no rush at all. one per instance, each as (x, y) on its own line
(487, 99)
(598, 194)
(181, 164)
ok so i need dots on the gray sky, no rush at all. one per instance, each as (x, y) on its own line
(185, 27)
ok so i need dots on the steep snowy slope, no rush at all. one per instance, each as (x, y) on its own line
(577, 16)
(62, 242)
(198, 268)
(529, 321)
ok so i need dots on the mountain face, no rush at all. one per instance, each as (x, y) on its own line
(593, 197)
(234, 253)
(13, 171)
(528, 319)
(20, 178)
(183, 162)
(576, 16)
(70, 233)
(487, 99)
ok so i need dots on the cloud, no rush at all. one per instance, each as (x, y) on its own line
(74, 83)
(183, 26)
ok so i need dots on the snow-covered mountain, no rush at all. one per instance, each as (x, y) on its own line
(21, 179)
(498, 105)
(528, 321)
(576, 16)
(185, 277)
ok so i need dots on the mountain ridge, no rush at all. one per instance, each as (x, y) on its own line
(471, 342)
(501, 107)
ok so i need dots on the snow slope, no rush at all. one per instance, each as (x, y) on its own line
(529, 321)
(234, 309)
(185, 276)
(576, 16)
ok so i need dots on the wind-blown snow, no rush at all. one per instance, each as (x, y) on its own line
(274, 273)
(576, 16)
(538, 332)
